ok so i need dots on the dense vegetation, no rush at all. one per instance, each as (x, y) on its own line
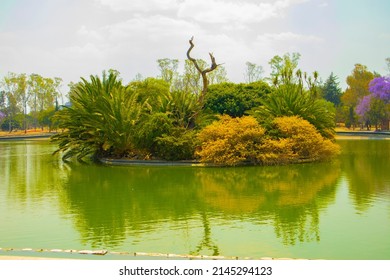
(233, 124)
(289, 117)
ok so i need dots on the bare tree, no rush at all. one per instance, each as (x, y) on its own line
(203, 72)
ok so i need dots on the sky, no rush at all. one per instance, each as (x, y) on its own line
(78, 38)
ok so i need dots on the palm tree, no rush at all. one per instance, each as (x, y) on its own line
(101, 120)
(293, 100)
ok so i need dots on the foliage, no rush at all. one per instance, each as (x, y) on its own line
(182, 108)
(230, 141)
(253, 72)
(178, 144)
(10, 124)
(292, 100)
(235, 99)
(283, 68)
(331, 90)
(233, 141)
(45, 118)
(303, 139)
(380, 88)
(358, 87)
(168, 69)
(373, 109)
(150, 91)
(148, 129)
(101, 121)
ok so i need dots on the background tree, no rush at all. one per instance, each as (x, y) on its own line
(374, 109)
(253, 72)
(191, 80)
(358, 83)
(10, 85)
(168, 69)
(295, 93)
(283, 68)
(331, 90)
(35, 86)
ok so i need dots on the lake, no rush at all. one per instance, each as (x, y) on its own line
(330, 210)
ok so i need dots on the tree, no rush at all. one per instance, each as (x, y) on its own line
(235, 99)
(191, 80)
(102, 120)
(373, 109)
(168, 69)
(10, 86)
(291, 100)
(203, 71)
(2, 107)
(283, 68)
(35, 86)
(253, 72)
(358, 83)
(2, 101)
(388, 64)
(331, 90)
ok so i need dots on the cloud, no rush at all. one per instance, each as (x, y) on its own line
(150, 27)
(89, 34)
(290, 36)
(139, 5)
(217, 11)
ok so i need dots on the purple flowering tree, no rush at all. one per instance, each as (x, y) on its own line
(380, 88)
(375, 107)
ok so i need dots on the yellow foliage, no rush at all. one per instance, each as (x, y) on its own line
(230, 140)
(276, 152)
(304, 140)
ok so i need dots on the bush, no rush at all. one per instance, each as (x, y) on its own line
(292, 100)
(304, 140)
(235, 99)
(179, 144)
(230, 140)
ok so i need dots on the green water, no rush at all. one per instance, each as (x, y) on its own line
(336, 210)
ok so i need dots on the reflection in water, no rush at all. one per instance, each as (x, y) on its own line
(290, 197)
(110, 203)
(180, 209)
(367, 170)
(29, 171)
(206, 243)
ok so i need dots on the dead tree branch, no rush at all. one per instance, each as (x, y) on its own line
(203, 72)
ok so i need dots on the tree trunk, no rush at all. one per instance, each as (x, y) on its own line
(203, 72)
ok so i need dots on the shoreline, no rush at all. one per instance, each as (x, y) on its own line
(27, 136)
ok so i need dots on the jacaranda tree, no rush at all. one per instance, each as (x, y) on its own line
(374, 109)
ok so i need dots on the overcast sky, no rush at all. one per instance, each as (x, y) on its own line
(75, 38)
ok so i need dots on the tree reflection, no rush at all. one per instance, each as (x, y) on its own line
(364, 163)
(290, 196)
(110, 206)
(206, 243)
(30, 172)
(111, 203)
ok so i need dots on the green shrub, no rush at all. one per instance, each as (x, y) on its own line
(179, 144)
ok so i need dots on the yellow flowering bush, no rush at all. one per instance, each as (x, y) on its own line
(303, 139)
(230, 140)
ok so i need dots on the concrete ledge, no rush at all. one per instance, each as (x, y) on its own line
(26, 137)
(130, 162)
